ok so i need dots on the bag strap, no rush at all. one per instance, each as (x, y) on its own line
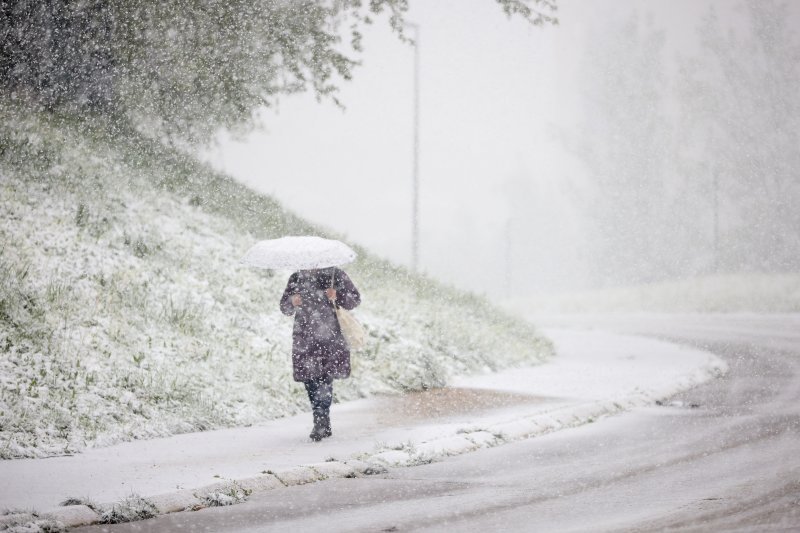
(333, 282)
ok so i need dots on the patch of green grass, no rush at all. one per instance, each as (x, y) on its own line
(81, 215)
(183, 316)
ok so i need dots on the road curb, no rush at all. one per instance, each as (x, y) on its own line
(67, 516)
(74, 515)
(194, 499)
(172, 502)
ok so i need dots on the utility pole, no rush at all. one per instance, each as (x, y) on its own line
(714, 168)
(716, 218)
(415, 175)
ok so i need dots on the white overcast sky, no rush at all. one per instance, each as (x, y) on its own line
(493, 91)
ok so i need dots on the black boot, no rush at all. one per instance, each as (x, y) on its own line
(319, 432)
(326, 425)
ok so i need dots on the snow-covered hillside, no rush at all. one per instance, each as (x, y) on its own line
(124, 311)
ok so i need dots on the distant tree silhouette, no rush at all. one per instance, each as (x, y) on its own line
(741, 123)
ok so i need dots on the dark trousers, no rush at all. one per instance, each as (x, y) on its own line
(320, 394)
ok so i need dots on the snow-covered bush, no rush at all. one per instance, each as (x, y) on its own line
(125, 314)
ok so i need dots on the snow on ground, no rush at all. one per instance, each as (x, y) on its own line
(619, 366)
(595, 374)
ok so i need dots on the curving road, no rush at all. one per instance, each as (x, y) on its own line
(729, 463)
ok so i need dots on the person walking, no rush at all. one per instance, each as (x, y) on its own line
(320, 353)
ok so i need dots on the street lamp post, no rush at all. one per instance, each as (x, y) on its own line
(415, 175)
(508, 256)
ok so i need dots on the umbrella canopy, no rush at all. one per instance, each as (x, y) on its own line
(298, 253)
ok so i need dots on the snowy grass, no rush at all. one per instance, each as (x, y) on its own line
(230, 495)
(723, 293)
(29, 521)
(130, 509)
(35, 525)
(125, 314)
(73, 500)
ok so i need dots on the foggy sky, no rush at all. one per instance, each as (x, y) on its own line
(496, 97)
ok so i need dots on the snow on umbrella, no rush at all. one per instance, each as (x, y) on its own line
(298, 253)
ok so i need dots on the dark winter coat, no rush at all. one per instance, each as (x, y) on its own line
(318, 347)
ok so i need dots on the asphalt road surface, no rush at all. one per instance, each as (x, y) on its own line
(724, 457)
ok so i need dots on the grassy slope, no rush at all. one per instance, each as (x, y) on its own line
(124, 312)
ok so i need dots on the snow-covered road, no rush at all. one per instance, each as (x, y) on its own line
(733, 463)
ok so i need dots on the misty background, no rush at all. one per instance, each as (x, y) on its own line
(633, 143)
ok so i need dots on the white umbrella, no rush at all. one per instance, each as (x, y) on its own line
(298, 253)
